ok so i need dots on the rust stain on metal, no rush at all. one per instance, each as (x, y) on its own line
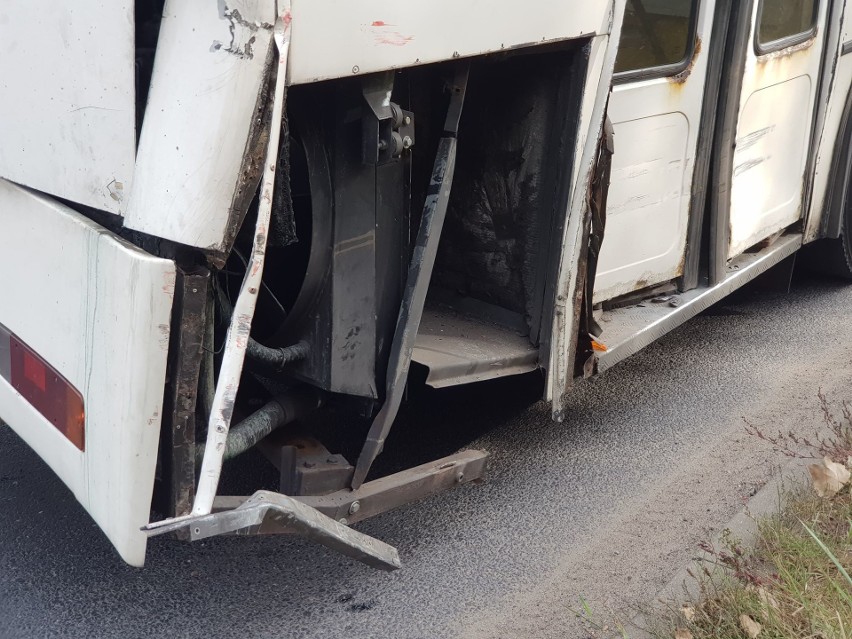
(681, 77)
(787, 52)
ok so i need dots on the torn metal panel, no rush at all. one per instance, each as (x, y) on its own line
(72, 131)
(238, 331)
(563, 337)
(204, 134)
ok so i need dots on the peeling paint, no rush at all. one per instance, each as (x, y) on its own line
(787, 52)
(238, 26)
(116, 190)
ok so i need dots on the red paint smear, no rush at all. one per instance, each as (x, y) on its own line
(394, 38)
(381, 23)
(287, 18)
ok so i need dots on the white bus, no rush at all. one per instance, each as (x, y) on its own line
(219, 220)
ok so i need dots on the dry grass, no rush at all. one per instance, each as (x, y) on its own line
(794, 581)
(788, 582)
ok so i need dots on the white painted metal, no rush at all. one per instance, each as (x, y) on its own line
(98, 310)
(203, 97)
(339, 38)
(839, 77)
(68, 107)
(656, 125)
(208, 74)
(602, 52)
(238, 331)
(773, 138)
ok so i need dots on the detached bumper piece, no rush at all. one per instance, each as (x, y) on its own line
(286, 514)
(323, 518)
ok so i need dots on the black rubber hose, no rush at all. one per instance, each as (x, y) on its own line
(275, 359)
(278, 412)
(266, 357)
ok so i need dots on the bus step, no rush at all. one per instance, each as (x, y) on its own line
(459, 349)
(627, 330)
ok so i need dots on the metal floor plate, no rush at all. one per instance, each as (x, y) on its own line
(627, 330)
(459, 350)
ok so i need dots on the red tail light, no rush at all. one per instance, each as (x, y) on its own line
(44, 388)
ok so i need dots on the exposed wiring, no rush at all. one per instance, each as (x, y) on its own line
(262, 283)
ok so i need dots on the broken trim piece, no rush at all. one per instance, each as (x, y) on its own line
(291, 515)
(240, 327)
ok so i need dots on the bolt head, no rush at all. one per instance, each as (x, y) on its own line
(343, 521)
(354, 507)
(407, 142)
(407, 119)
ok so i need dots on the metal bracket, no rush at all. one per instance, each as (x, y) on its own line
(306, 466)
(287, 515)
(417, 282)
(387, 129)
(323, 518)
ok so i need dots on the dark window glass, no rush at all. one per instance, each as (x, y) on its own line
(781, 19)
(655, 33)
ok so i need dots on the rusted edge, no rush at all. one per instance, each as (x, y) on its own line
(763, 58)
(177, 452)
(252, 164)
(680, 78)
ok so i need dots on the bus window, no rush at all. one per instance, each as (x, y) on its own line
(782, 23)
(656, 36)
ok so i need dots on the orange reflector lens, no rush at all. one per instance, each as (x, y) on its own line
(44, 388)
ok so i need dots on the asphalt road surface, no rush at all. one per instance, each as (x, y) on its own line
(606, 506)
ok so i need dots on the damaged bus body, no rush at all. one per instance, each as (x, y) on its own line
(219, 219)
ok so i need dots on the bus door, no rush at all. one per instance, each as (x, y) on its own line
(655, 109)
(776, 108)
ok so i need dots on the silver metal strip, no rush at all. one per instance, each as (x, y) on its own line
(628, 330)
